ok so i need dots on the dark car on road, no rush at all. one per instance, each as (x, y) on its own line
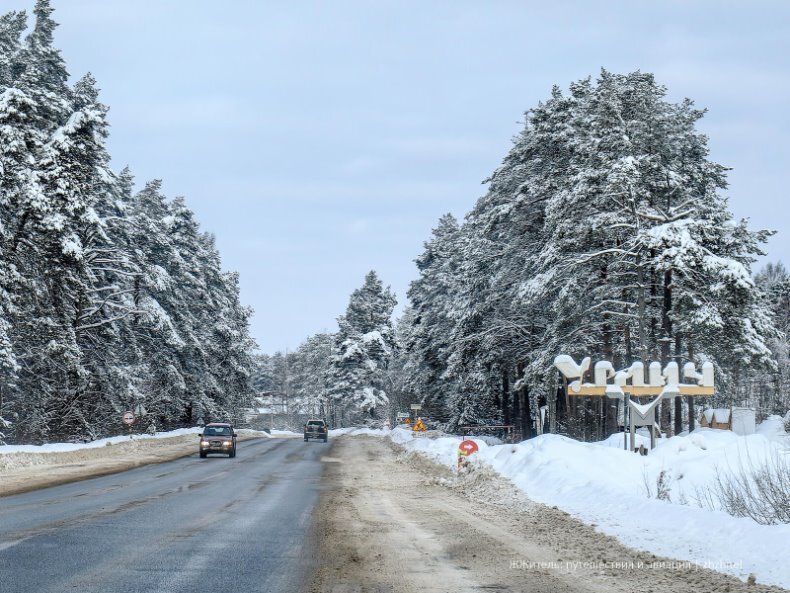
(315, 429)
(218, 437)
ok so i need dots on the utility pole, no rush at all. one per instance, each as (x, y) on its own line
(284, 407)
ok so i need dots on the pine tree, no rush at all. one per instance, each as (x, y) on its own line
(109, 299)
(40, 71)
(641, 253)
(602, 234)
(432, 297)
(769, 392)
(18, 148)
(12, 25)
(309, 372)
(363, 344)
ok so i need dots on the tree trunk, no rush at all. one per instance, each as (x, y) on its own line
(610, 416)
(641, 308)
(516, 419)
(692, 419)
(678, 400)
(526, 415)
(558, 413)
(666, 339)
(629, 354)
(505, 396)
(601, 418)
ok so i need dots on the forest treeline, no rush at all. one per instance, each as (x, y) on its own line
(604, 233)
(111, 299)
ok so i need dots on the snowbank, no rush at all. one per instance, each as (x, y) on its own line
(284, 433)
(616, 490)
(20, 455)
(65, 447)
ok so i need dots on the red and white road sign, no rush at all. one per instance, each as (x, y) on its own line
(466, 448)
(128, 417)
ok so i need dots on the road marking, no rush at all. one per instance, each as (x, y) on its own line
(331, 460)
(11, 544)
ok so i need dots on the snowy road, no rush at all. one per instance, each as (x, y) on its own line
(191, 525)
(397, 522)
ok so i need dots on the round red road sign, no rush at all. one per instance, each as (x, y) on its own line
(128, 417)
(466, 448)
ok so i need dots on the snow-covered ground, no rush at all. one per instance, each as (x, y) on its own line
(28, 467)
(604, 485)
(64, 447)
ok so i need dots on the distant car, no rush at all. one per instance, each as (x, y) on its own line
(315, 429)
(218, 437)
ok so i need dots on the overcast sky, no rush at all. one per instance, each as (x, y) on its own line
(320, 140)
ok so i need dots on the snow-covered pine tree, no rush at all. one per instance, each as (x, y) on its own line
(71, 174)
(193, 324)
(642, 258)
(363, 344)
(774, 281)
(263, 374)
(108, 299)
(35, 104)
(427, 339)
(309, 371)
(486, 333)
(228, 343)
(770, 393)
(40, 71)
(12, 25)
(602, 234)
(497, 330)
(19, 144)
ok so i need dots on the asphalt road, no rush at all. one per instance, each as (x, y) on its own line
(191, 525)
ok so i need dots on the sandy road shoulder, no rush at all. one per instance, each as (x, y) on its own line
(395, 522)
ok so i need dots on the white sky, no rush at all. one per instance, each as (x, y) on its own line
(319, 140)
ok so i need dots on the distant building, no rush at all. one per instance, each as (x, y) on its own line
(720, 418)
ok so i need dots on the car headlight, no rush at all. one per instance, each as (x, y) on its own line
(204, 443)
(228, 443)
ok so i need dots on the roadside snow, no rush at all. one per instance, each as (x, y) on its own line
(284, 433)
(615, 490)
(64, 447)
(21, 456)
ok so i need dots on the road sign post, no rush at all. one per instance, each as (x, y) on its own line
(414, 409)
(465, 449)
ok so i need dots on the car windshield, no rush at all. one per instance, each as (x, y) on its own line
(316, 422)
(217, 431)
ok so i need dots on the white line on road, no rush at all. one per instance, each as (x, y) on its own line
(11, 544)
